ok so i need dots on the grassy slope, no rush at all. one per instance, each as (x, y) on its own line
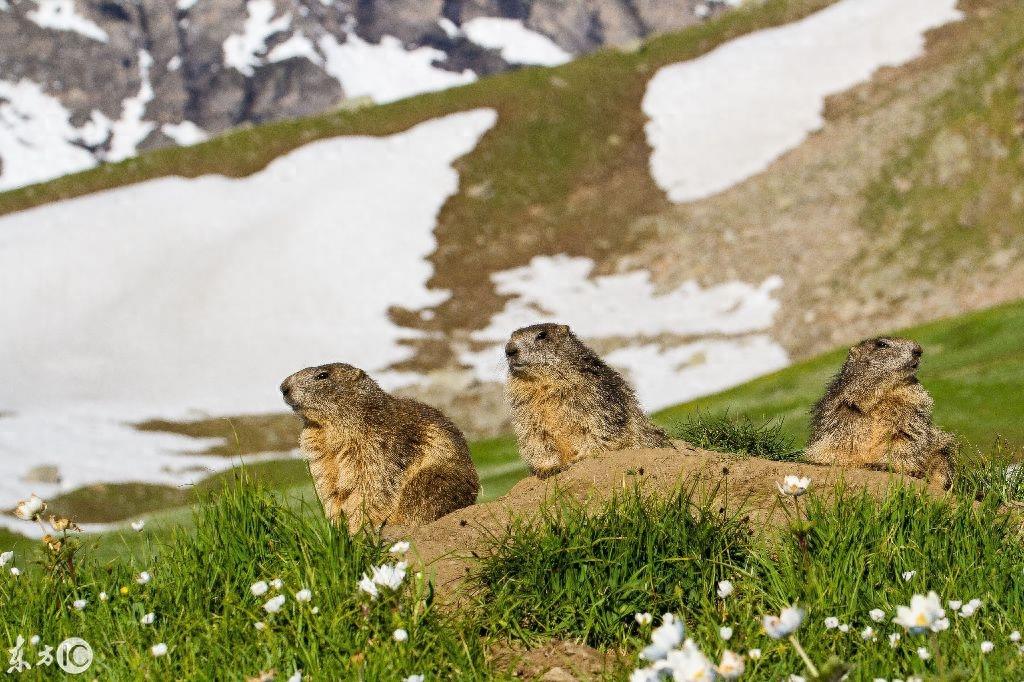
(973, 366)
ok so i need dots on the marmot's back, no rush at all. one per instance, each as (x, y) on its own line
(876, 414)
(376, 458)
(566, 403)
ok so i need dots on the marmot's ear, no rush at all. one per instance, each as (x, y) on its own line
(354, 373)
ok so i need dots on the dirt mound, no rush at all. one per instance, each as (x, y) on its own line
(448, 547)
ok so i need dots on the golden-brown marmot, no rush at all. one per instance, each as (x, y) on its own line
(567, 403)
(376, 458)
(876, 414)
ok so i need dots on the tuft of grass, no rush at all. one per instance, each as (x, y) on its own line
(581, 574)
(724, 432)
(205, 612)
(996, 472)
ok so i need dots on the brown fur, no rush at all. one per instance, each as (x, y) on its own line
(376, 458)
(876, 414)
(567, 403)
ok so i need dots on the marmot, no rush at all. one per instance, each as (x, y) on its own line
(567, 403)
(376, 458)
(875, 414)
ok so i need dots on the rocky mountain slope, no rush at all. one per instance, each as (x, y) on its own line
(85, 81)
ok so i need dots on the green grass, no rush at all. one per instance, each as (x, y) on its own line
(205, 612)
(973, 366)
(740, 435)
(575, 574)
(579, 574)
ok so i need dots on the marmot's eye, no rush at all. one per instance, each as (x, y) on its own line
(322, 375)
(542, 335)
(882, 343)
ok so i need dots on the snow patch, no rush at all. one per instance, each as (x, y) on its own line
(387, 71)
(37, 140)
(131, 129)
(61, 15)
(725, 116)
(244, 51)
(517, 44)
(185, 297)
(185, 133)
(734, 316)
(296, 46)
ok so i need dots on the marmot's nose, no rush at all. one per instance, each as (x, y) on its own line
(285, 389)
(918, 351)
(511, 350)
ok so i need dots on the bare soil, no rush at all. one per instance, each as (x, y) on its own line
(449, 547)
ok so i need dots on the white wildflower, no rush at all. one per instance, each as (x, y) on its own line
(15, 571)
(400, 635)
(785, 623)
(296, 676)
(867, 633)
(259, 589)
(732, 665)
(303, 596)
(643, 619)
(79, 604)
(413, 678)
(158, 650)
(987, 646)
(794, 485)
(725, 632)
(689, 664)
(940, 625)
(399, 548)
(970, 607)
(368, 586)
(664, 638)
(274, 604)
(1015, 636)
(907, 575)
(137, 526)
(29, 509)
(104, 596)
(277, 583)
(260, 625)
(831, 623)
(797, 678)
(35, 639)
(877, 615)
(754, 654)
(148, 619)
(955, 604)
(725, 588)
(844, 628)
(389, 575)
(894, 639)
(315, 610)
(5, 558)
(143, 578)
(921, 614)
(924, 653)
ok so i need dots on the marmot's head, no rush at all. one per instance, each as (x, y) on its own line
(885, 358)
(336, 393)
(543, 348)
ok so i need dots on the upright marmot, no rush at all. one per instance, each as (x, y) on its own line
(876, 414)
(567, 403)
(374, 457)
